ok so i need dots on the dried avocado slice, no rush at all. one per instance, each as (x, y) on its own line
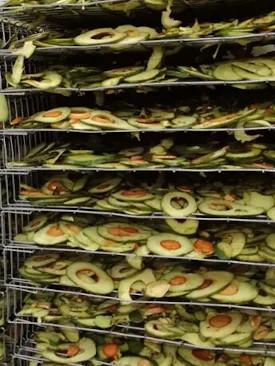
(220, 207)
(169, 244)
(123, 232)
(106, 120)
(184, 227)
(178, 204)
(86, 349)
(220, 325)
(50, 235)
(236, 292)
(90, 277)
(52, 115)
(180, 281)
(99, 36)
(214, 281)
(226, 72)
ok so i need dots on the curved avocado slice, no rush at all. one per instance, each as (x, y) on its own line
(99, 36)
(169, 244)
(220, 325)
(178, 204)
(230, 245)
(122, 270)
(70, 332)
(184, 227)
(105, 186)
(107, 120)
(52, 115)
(214, 281)
(236, 292)
(220, 207)
(50, 235)
(124, 288)
(135, 195)
(37, 223)
(81, 274)
(123, 71)
(40, 260)
(197, 357)
(256, 199)
(270, 241)
(142, 76)
(180, 281)
(86, 350)
(124, 232)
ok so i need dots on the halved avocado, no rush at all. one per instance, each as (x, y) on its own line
(52, 115)
(219, 325)
(214, 281)
(124, 232)
(184, 227)
(236, 292)
(180, 281)
(106, 120)
(197, 357)
(124, 288)
(90, 277)
(86, 350)
(178, 204)
(169, 244)
(50, 235)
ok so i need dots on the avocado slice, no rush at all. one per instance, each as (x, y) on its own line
(86, 350)
(99, 36)
(180, 281)
(105, 186)
(197, 357)
(144, 277)
(224, 208)
(37, 223)
(134, 361)
(50, 235)
(178, 204)
(236, 292)
(52, 115)
(214, 281)
(184, 227)
(133, 195)
(124, 232)
(169, 244)
(220, 325)
(81, 274)
(225, 71)
(106, 120)
(230, 245)
(70, 332)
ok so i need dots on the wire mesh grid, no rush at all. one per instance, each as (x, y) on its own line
(14, 222)
(16, 147)
(124, 330)
(16, 257)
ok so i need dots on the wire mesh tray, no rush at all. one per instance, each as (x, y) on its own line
(23, 91)
(19, 207)
(267, 348)
(28, 286)
(148, 44)
(21, 246)
(27, 131)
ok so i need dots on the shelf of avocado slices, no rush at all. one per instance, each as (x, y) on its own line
(118, 351)
(126, 37)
